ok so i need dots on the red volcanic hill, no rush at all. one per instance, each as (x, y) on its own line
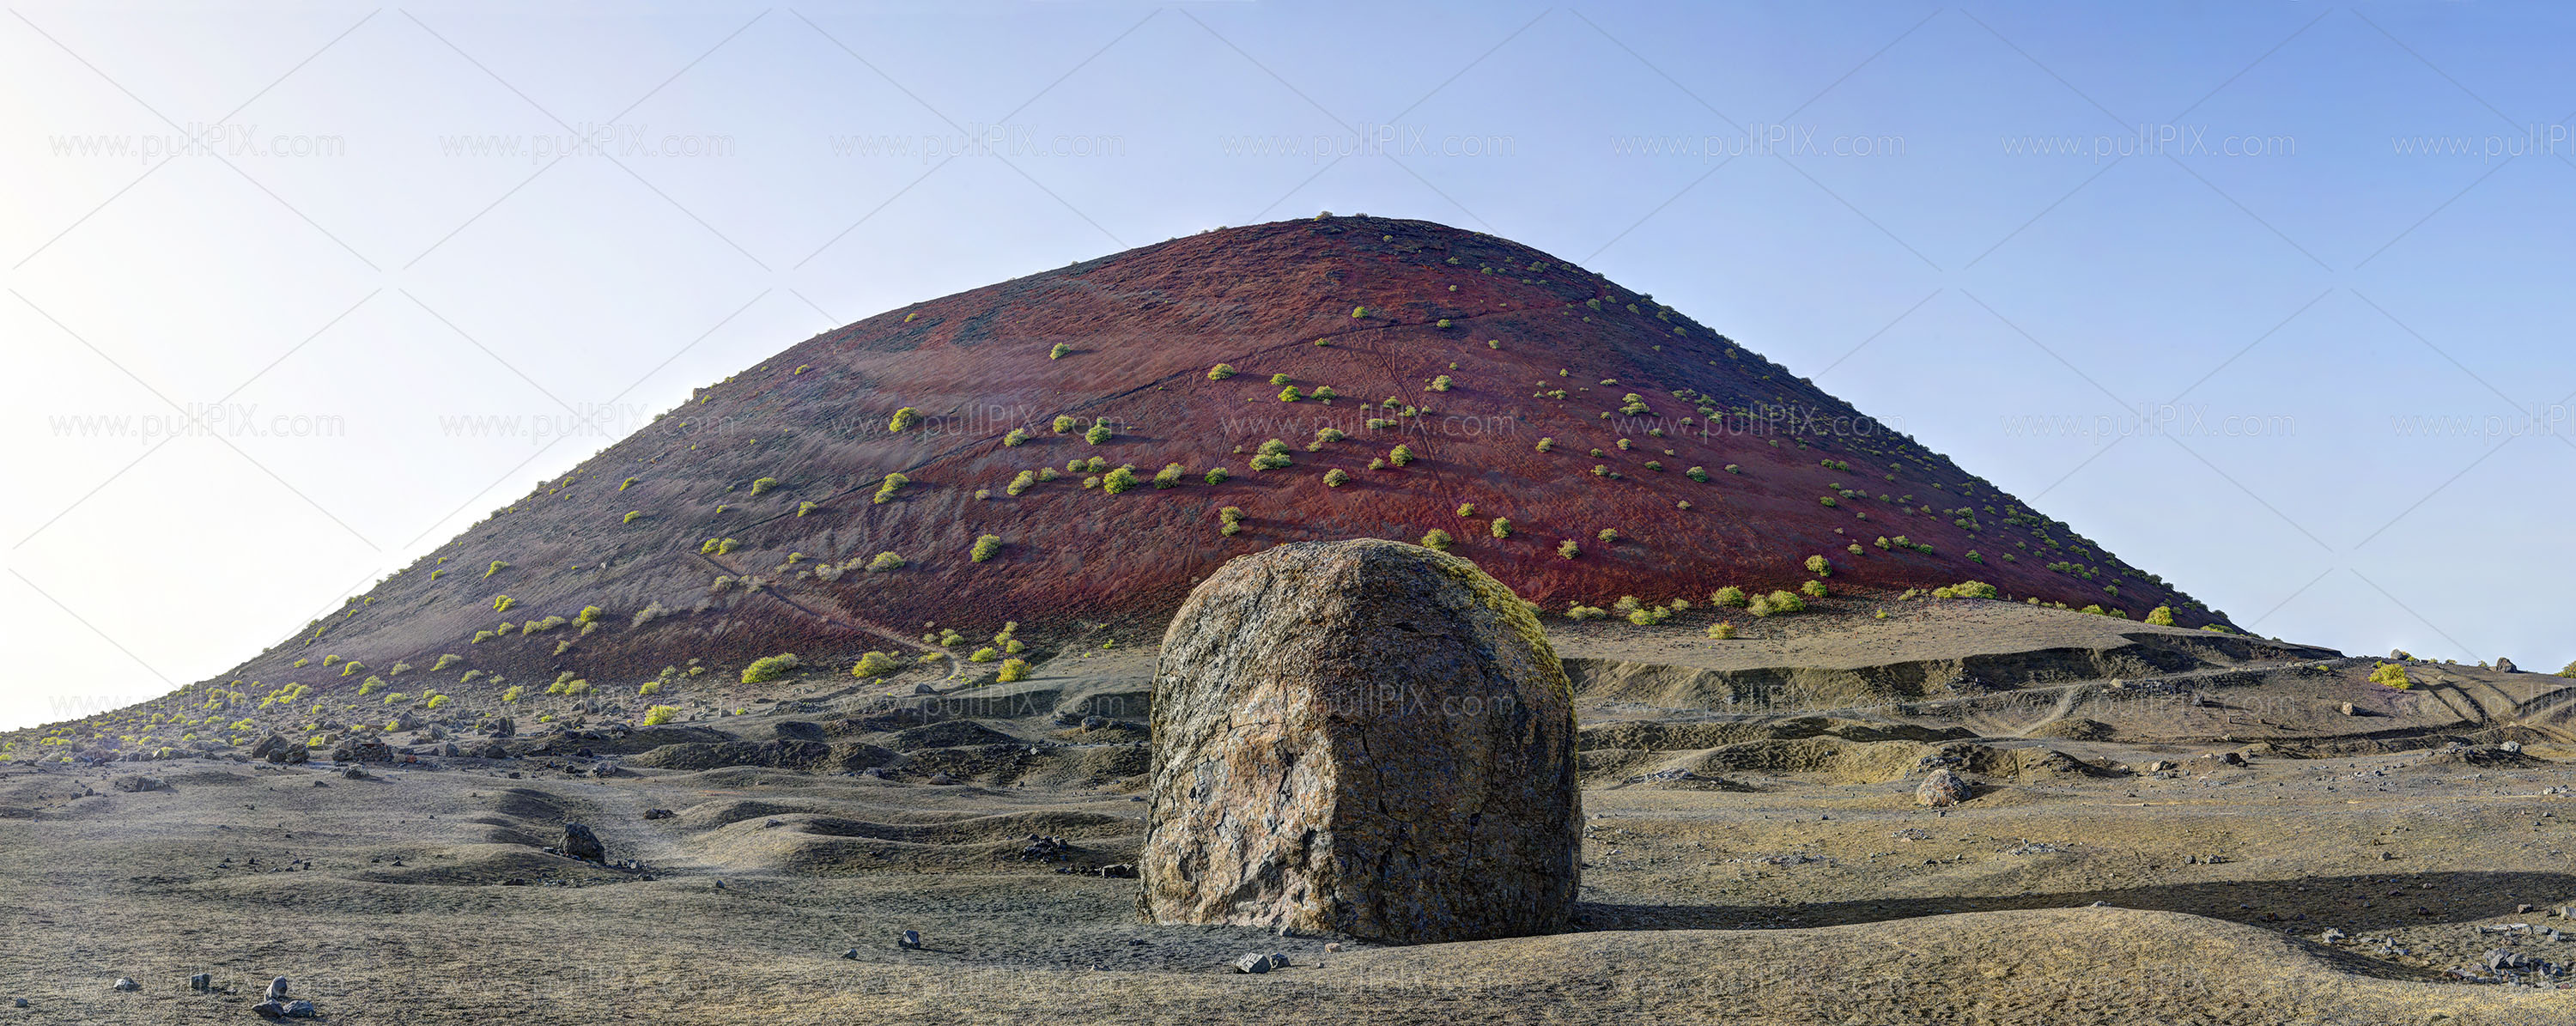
(1048, 450)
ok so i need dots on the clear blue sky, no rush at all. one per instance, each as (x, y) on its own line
(2179, 274)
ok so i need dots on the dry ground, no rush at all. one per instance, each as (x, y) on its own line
(1748, 859)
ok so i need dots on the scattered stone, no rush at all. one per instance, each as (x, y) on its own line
(942, 778)
(277, 989)
(17, 1002)
(1396, 722)
(1094, 722)
(354, 773)
(301, 1010)
(924, 689)
(1260, 963)
(852, 954)
(201, 982)
(2332, 935)
(1333, 947)
(2504, 665)
(1943, 789)
(659, 814)
(910, 941)
(2511, 747)
(2160, 766)
(270, 1009)
(126, 983)
(137, 783)
(2348, 710)
(580, 843)
(1119, 871)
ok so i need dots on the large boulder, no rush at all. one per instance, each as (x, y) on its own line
(1363, 737)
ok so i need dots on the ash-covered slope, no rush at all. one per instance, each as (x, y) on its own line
(1442, 379)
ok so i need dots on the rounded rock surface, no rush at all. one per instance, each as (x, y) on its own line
(1361, 737)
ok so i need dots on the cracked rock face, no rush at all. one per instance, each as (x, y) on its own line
(1365, 737)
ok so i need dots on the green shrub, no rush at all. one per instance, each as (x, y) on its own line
(1169, 476)
(1324, 435)
(1231, 518)
(1733, 469)
(1578, 611)
(588, 615)
(1280, 379)
(904, 419)
(984, 655)
(1059, 351)
(1400, 456)
(514, 693)
(803, 508)
(1784, 602)
(2391, 675)
(893, 483)
(761, 486)
(1607, 535)
(1335, 477)
(1500, 528)
(769, 668)
(1437, 540)
(1438, 384)
(660, 714)
(624, 485)
(1727, 596)
(1064, 423)
(1119, 480)
(985, 548)
(1220, 372)
(2161, 616)
(1721, 630)
(496, 567)
(1358, 312)
(1098, 433)
(1466, 509)
(1816, 565)
(1813, 589)
(1022, 483)
(886, 561)
(650, 688)
(1012, 670)
(876, 664)
(1016, 438)
(1567, 549)
(1290, 394)
(481, 637)
(1546, 444)
(437, 701)
(444, 661)
(502, 603)
(1216, 476)
(1648, 616)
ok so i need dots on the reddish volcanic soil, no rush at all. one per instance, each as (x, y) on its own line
(1533, 349)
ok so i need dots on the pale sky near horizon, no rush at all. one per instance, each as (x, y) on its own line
(2268, 298)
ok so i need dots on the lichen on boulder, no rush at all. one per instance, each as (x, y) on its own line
(1364, 737)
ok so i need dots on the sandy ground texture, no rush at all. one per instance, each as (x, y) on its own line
(2170, 827)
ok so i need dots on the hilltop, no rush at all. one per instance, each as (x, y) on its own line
(1073, 450)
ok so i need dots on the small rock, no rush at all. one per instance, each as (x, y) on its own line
(17, 1002)
(910, 941)
(1332, 947)
(277, 989)
(942, 778)
(924, 689)
(137, 783)
(659, 814)
(1094, 722)
(126, 983)
(2505, 665)
(2348, 709)
(1253, 963)
(1943, 789)
(301, 1010)
(354, 773)
(2511, 747)
(580, 843)
(852, 954)
(2331, 935)
(201, 982)
(1119, 871)
(270, 1009)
